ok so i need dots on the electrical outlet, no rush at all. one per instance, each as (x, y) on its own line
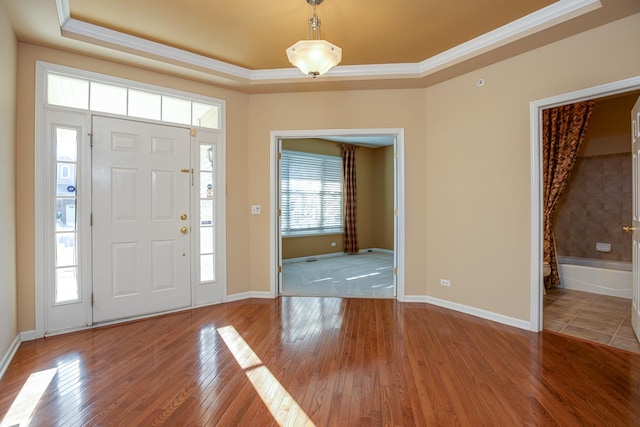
(256, 210)
(445, 282)
(333, 244)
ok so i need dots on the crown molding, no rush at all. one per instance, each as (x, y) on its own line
(106, 37)
(554, 14)
(547, 17)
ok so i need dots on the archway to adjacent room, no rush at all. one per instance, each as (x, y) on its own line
(299, 259)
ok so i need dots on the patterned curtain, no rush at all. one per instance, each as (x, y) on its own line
(349, 172)
(563, 130)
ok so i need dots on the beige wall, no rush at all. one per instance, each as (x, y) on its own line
(384, 184)
(8, 67)
(467, 163)
(478, 164)
(238, 207)
(609, 129)
(340, 110)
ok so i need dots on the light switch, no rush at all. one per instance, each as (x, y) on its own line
(256, 210)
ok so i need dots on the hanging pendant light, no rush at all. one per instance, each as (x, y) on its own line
(314, 56)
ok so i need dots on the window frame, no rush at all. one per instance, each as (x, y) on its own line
(315, 231)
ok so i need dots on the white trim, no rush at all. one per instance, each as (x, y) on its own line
(535, 114)
(539, 20)
(399, 250)
(116, 38)
(274, 235)
(386, 251)
(40, 201)
(333, 255)
(313, 257)
(28, 335)
(247, 295)
(8, 355)
(473, 311)
(43, 172)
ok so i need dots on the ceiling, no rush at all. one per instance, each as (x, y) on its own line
(241, 44)
(255, 34)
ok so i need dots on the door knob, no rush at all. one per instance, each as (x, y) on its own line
(183, 230)
(183, 216)
(628, 228)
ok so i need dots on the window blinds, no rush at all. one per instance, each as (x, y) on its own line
(310, 193)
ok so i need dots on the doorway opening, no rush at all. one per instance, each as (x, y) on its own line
(176, 140)
(592, 300)
(308, 254)
(603, 92)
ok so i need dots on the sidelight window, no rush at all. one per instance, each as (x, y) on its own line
(66, 231)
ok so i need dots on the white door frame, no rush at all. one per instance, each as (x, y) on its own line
(202, 293)
(274, 238)
(535, 110)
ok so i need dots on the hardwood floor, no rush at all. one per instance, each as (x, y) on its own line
(323, 361)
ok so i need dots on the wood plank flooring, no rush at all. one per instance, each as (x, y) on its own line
(328, 362)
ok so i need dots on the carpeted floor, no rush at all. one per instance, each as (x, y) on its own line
(367, 275)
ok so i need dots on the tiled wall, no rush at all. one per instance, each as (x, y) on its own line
(594, 207)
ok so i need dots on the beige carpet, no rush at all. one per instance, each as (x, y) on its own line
(365, 275)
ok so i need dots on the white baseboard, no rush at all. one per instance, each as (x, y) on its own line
(8, 356)
(385, 251)
(478, 312)
(312, 257)
(246, 295)
(334, 254)
(27, 336)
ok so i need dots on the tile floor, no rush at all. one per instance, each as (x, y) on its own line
(600, 318)
(365, 275)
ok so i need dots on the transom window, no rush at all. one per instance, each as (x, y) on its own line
(87, 94)
(310, 194)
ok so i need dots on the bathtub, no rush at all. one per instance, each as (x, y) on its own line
(597, 276)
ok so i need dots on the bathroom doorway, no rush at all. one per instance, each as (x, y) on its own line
(593, 301)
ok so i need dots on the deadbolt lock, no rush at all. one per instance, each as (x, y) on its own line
(183, 216)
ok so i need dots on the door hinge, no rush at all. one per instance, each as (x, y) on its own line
(279, 156)
(193, 132)
(279, 269)
(92, 301)
(90, 140)
(395, 154)
(91, 219)
(395, 212)
(279, 212)
(395, 270)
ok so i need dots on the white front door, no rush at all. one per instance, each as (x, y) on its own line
(141, 176)
(635, 150)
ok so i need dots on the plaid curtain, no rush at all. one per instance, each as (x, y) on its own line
(349, 172)
(563, 130)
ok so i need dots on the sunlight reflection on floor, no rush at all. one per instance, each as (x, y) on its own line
(25, 403)
(284, 409)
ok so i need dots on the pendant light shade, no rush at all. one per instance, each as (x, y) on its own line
(315, 56)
